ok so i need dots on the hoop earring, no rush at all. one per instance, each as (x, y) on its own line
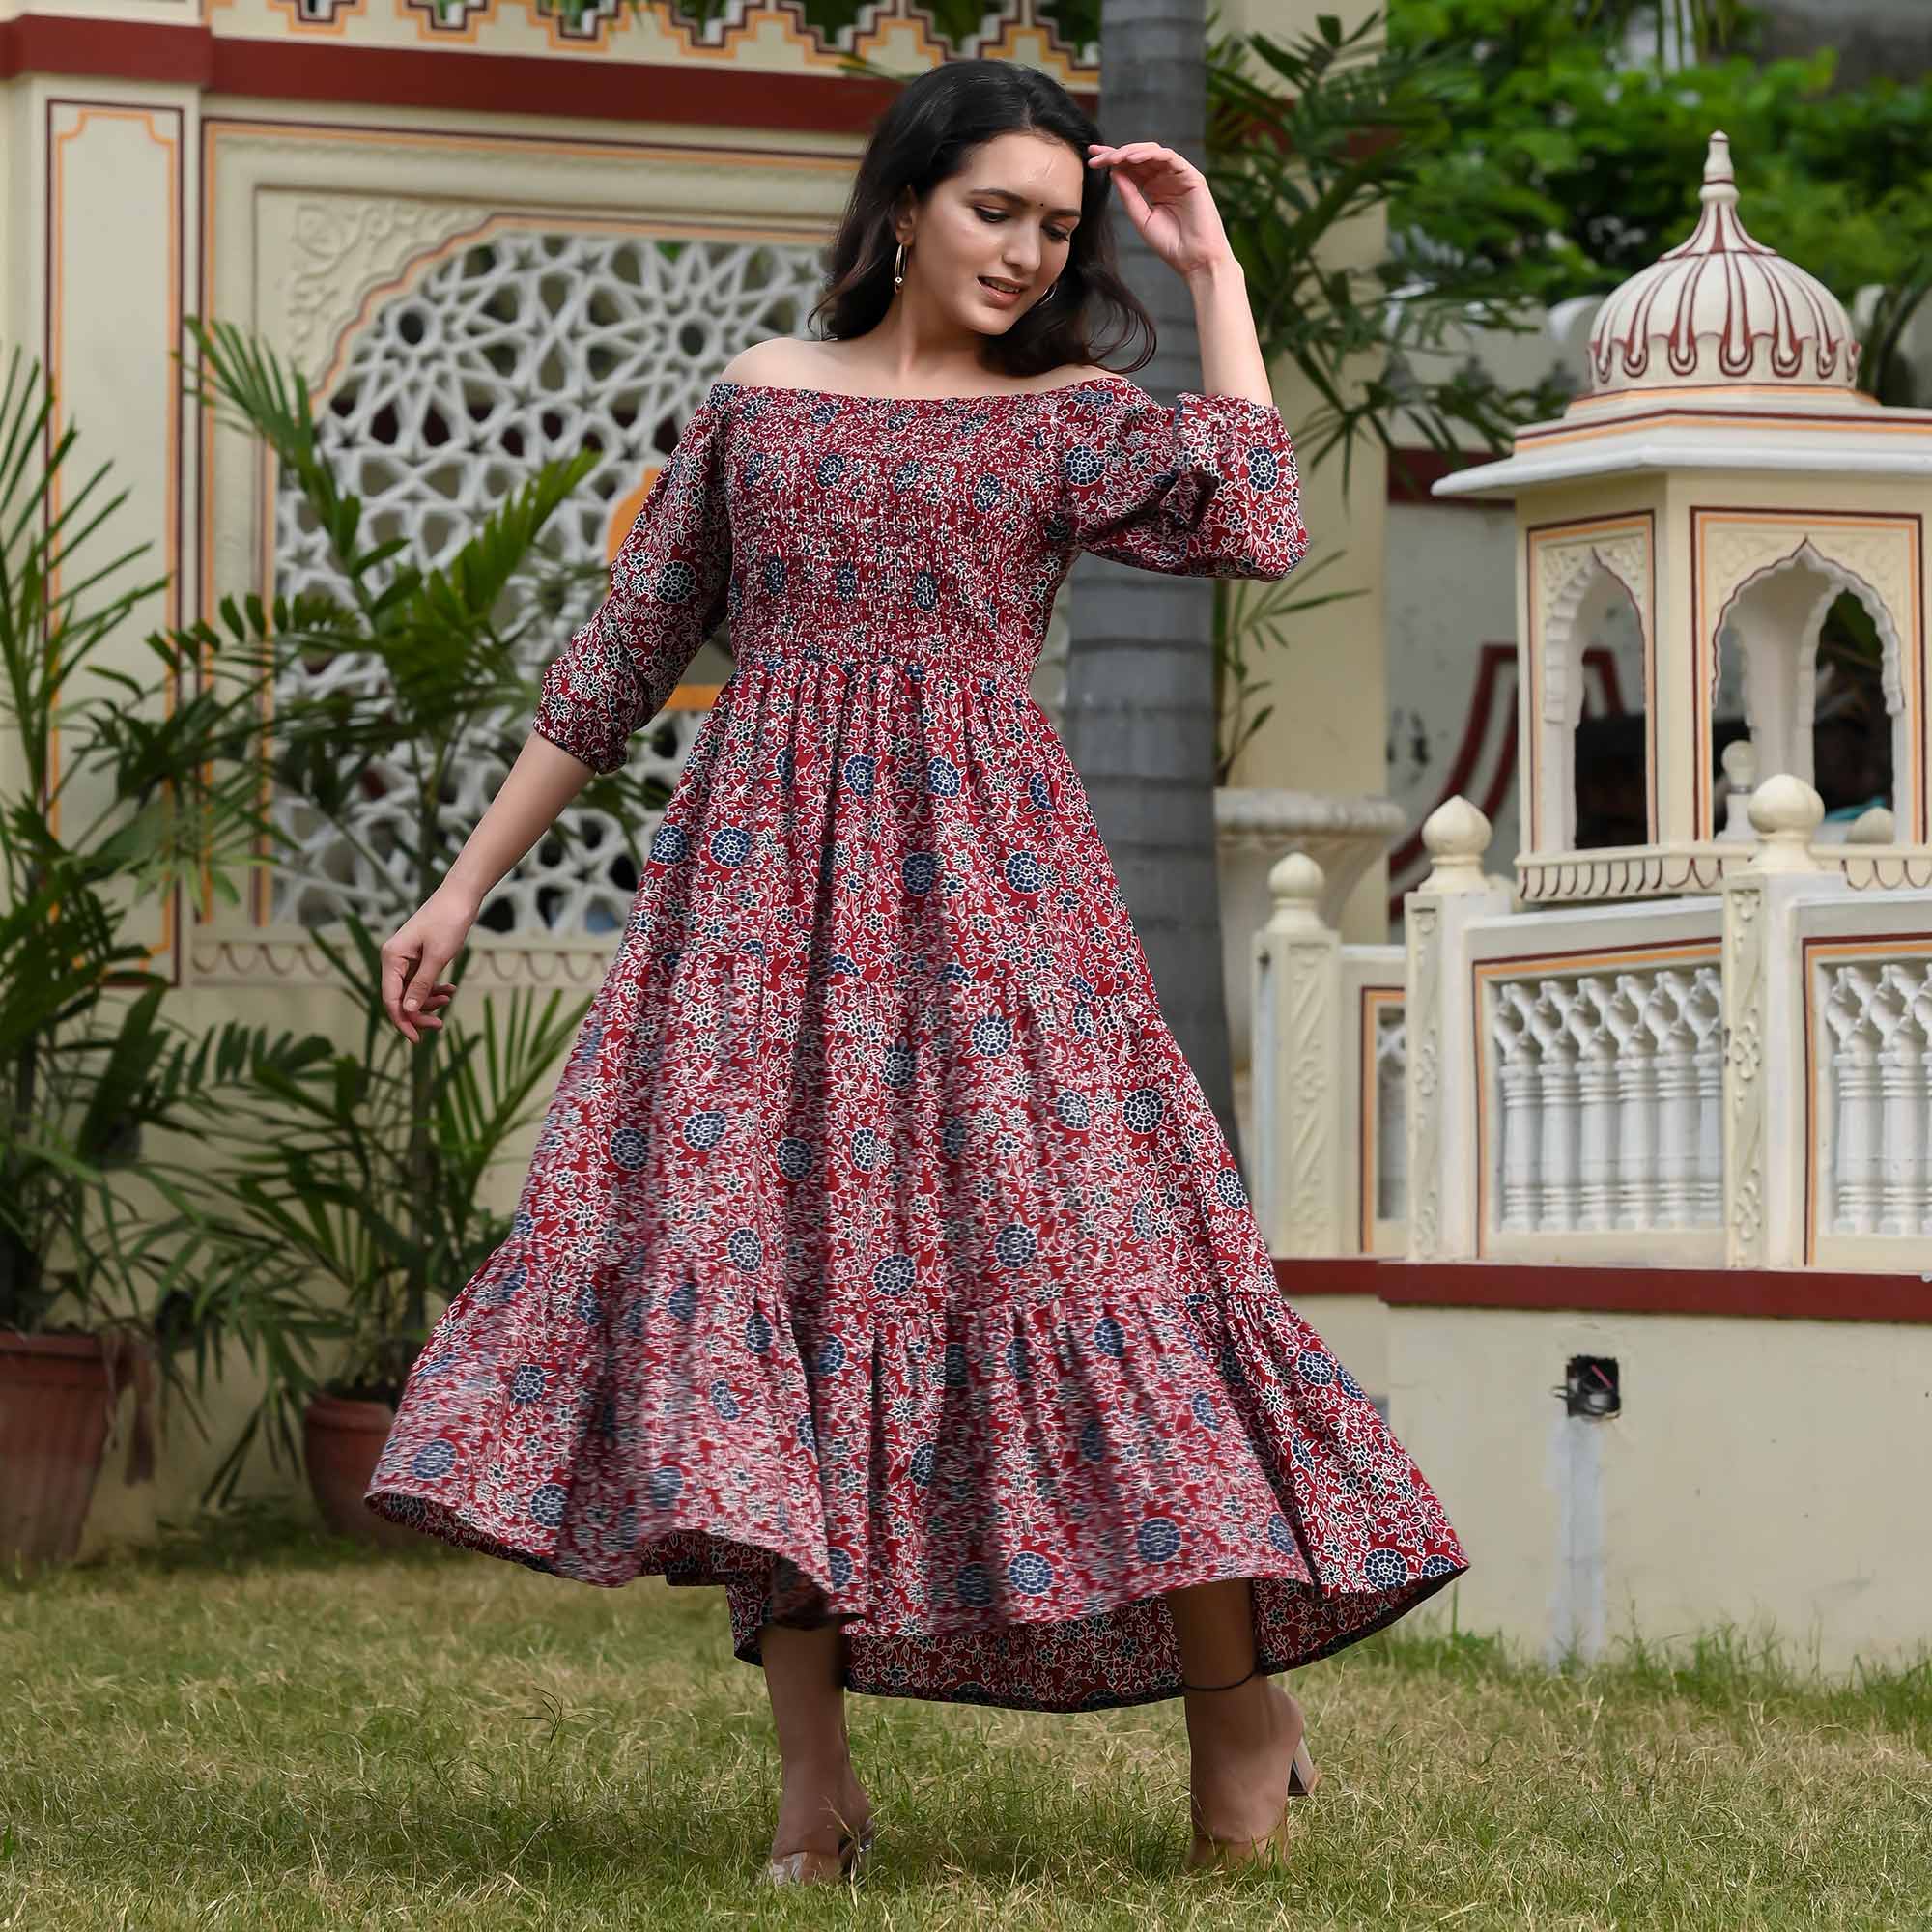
(1048, 296)
(898, 266)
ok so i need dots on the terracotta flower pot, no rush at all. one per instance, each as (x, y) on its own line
(341, 1441)
(54, 1426)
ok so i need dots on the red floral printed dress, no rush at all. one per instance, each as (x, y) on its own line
(881, 1258)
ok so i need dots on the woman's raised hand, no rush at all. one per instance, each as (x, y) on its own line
(1167, 198)
(414, 991)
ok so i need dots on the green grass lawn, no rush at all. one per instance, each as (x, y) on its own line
(270, 1730)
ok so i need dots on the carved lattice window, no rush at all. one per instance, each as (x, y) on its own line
(511, 351)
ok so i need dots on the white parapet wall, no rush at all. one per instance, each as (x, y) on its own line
(1684, 1148)
(1863, 962)
(1738, 1079)
(1684, 1143)
(1735, 1079)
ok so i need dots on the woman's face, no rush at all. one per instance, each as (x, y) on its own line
(1009, 214)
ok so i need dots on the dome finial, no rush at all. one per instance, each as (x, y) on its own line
(1720, 184)
(1721, 308)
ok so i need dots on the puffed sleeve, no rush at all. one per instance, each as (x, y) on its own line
(1207, 488)
(669, 583)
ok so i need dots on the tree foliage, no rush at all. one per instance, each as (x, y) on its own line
(1563, 165)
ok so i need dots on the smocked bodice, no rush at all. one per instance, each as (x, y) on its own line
(874, 525)
(822, 524)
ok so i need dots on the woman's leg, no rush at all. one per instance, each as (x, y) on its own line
(1240, 1740)
(805, 1673)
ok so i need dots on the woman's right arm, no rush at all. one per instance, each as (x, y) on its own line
(669, 590)
(543, 780)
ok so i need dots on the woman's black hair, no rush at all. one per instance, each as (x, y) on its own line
(924, 138)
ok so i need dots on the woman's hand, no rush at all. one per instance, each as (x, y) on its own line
(413, 961)
(1168, 200)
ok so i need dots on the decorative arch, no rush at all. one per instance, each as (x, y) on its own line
(1576, 571)
(472, 360)
(1785, 570)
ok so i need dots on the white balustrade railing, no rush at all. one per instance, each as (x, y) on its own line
(1743, 1079)
(1879, 1016)
(1609, 1089)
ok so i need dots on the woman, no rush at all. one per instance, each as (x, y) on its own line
(881, 1258)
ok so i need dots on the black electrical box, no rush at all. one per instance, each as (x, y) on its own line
(1590, 1386)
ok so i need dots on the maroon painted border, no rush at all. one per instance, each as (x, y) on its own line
(566, 85)
(1800, 1294)
(1414, 470)
(1328, 1274)
(106, 50)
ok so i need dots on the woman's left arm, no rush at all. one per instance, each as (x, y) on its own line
(1206, 486)
(1167, 199)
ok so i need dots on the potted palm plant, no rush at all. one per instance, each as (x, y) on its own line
(376, 1170)
(375, 1176)
(116, 1263)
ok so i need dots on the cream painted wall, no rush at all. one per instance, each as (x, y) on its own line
(22, 248)
(1768, 1474)
(1450, 573)
(1329, 731)
(20, 174)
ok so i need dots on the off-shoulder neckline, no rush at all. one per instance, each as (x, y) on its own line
(852, 396)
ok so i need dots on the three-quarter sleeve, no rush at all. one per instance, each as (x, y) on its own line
(670, 585)
(1206, 488)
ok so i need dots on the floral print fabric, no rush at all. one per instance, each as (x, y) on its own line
(880, 1258)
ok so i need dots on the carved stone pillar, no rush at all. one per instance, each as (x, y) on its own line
(1442, 1150)
(1764, 1111)
(1297, 1067)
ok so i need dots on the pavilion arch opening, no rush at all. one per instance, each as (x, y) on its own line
(1809, 664)
(498, 355)
(1852, 722)
(1597, 734)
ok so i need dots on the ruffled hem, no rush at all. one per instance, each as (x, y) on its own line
(995, 1502)
(1122, 1652)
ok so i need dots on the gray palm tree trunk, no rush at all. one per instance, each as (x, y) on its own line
(1140, 678)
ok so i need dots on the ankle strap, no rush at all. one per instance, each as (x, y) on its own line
(1238, 1683)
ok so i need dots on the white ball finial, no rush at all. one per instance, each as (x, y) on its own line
(1296, 884)
(1298, 879)
(1785, 811)
(1457, 836)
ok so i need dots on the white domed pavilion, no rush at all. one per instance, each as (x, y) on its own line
(1724, 479)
